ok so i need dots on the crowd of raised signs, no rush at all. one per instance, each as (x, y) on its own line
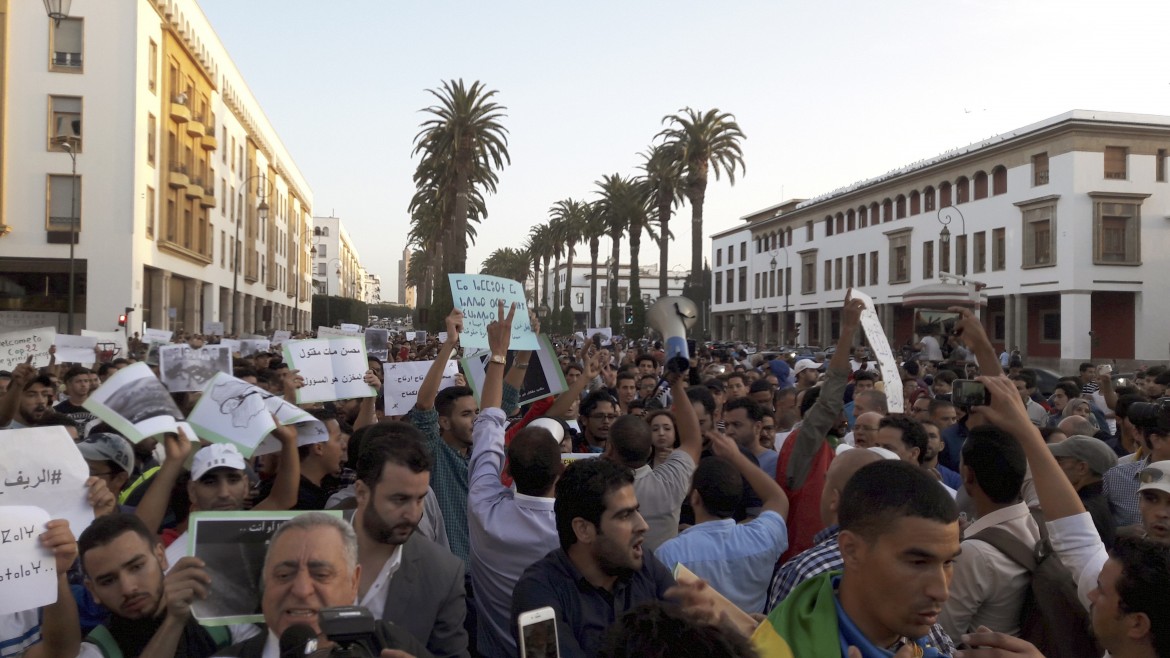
(209, 497)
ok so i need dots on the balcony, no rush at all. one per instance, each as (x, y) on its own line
(195, 127)
(180, 113)
(177, 176)
(209, 142)
(195, 188)
(208, 200)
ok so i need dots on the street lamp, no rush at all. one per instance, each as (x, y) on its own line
(297, 300)
(57, 9)
(69, 144)
(328, 314)
(262, 214)
(784, 284)
(945, 215)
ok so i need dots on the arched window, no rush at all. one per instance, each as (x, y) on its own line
(829, 225)
(944, 194)
(999, 180)
(887, 210)
(862, 217)
(980, 185)
(789, 236)
(900, 206)
(928, 198)
(850, 220)
(915, 203)
(962, 190)
(840, 223)
(875, 214)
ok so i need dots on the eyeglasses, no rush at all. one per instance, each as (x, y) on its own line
(609, 417)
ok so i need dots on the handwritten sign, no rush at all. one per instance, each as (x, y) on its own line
(233, 546)
(75, 349)
(543, 378)
(280, 336)
(17, 346)
(135, 403)
(212, 328)
(876, 336)
(410, 336)
(184, 368)
(351, 328)
(42, 467)
(404, 379)
(28, 572)
(478, 296)
(442, 336)
(106, 338)
(324, 332)
(157, 335)
(334, 369)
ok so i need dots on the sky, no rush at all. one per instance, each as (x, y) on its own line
(827, 93)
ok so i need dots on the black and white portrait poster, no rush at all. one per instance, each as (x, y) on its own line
(184, 368)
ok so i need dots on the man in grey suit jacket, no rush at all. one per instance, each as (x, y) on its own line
(405, 578)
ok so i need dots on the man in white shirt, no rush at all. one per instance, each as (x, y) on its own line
(988, 587)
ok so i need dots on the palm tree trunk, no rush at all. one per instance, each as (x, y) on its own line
(615, 284)
(635, 246)
(663, 245)
(544, 300)
(536, 281)
(569, 280)
(557, 285)
(594, 250)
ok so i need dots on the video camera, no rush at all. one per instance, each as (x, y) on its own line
(1151, 415)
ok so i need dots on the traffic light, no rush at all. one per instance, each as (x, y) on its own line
(629, 314)
(122, 320)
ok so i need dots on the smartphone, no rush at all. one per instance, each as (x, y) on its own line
(928, 322)
(1105, 369)
(538, 634)
(967, 393)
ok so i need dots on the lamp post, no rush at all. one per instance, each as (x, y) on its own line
(300, 253)
(69, 144)
(328, 313)
(262, 214)
(58, 10)
(945, 215)
(784, 284)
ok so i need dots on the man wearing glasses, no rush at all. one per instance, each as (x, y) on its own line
(598, 411)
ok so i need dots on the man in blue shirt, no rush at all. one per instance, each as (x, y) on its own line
(737, 560)
(601, 569)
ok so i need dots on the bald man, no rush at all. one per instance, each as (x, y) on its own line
(864, 431)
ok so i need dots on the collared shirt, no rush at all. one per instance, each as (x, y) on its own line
(822, 557)
(661, 492)
(988, 587)
(585, 612)
(1075, 542)
(508, 532)
(448, 479)
(768, 460)
(1121, 488)
(271, 646)
(375, 598)
(19, 631)
(1036, 413)
(736, 559)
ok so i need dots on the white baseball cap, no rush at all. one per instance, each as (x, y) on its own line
(553, 427)
(216, 455)
(1155, 476)
(805, 364)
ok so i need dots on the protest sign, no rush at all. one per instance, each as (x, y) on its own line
(17, 346)
(280, 336)
(333, 368)
(28, 571)
(478, 296)
(326, 332)
(234, 346)
(876, 337)
(351, 328)
(212, 328)
(233, 411)
(184, 368)
(606, 335)
(410, 336)
(420, 337)
(13, 320)
(135, 403)
(157, 335)
(109, 340)
(404, 379)
(378, 343)
(309, 431)
(543, 378)
(232, 545)
(253, 345)
(442, 336)
(75, 349)
(43, 467)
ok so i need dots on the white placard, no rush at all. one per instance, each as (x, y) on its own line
(351, 328)
(29, 569)
(308, 432)
(212, 328)
(118, 338)
(17, 346)
(326, 332)
(43, 467)
(404, 379)
(333, 368)
(234, 346)
(157, 335)
(75, 349)
(233, 411)
(135, 403)
(606, 335)
(442, 337)
(253, 345)
(479, 297)
(281, 336)
(184, 368)
(876, 336)
(410, 336)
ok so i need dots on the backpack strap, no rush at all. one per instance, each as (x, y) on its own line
(1007, 543)
(101, 638)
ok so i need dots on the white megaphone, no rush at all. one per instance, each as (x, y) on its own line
(671, 317)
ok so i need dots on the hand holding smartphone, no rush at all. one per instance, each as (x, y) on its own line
(538, 634)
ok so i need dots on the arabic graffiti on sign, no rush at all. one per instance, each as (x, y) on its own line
(404, 379)
(46, 476)
(333, 369)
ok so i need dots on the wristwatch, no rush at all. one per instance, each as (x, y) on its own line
(497, 358)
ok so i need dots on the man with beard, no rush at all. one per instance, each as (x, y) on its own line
(405, 578)
(601, 570)
(28, 397)
(150, 615)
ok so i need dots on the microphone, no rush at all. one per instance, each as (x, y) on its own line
(298, 640)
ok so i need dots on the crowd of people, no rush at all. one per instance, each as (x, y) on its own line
(726, 505)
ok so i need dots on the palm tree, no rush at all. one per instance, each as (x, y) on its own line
(622, 203)
(664, 178)
(571, 215)
(508, 263)
(540, 247)
(532, 252)
(556, 237)
(704, 143)
(462, 146)
(594, 229)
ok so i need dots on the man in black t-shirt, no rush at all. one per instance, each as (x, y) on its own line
(77, 388)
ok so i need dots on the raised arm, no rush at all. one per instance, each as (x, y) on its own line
(690, 436)
(10, 403)
(590, 361)
(284, 491)
(430, 386)
(499, 337)
(367, 408)
(970, 331)
(763, 484)
(157, 498)
(60, 627)
(515, 376)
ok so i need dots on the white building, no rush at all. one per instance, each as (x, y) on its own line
(337, 270)
(372, 288)
(579, 295)
(406, 294)
(1064, 221)
(179, 175)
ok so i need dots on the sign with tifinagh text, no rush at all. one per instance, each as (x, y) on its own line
(478, 296)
